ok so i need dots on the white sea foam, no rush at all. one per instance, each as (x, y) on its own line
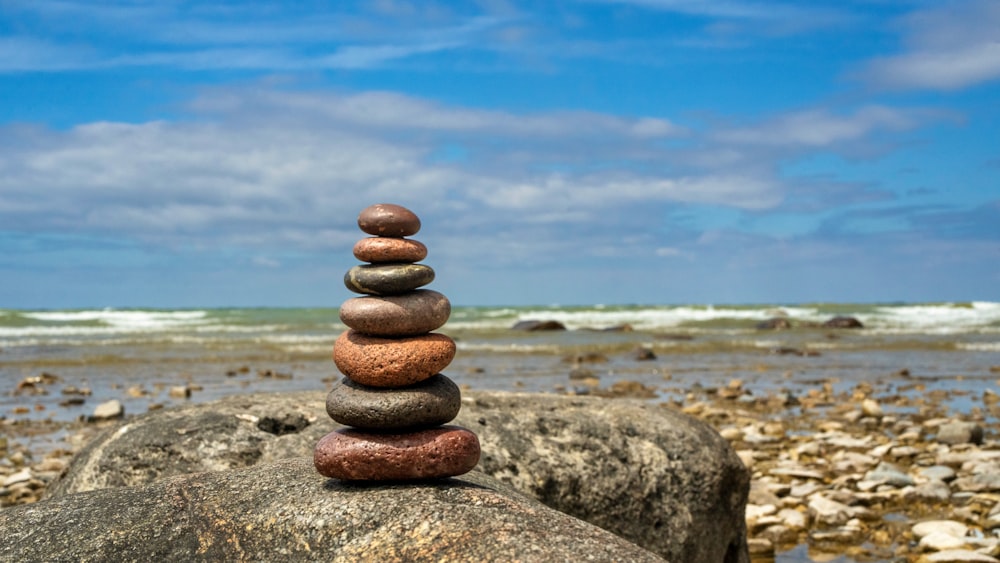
(505, 348)
(122, 319)
(933, 318)
(663, 317)
(979, 346)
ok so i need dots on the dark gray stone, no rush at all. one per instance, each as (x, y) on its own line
(285, 511)
(656, 477)
(387, 279)
(431, 402)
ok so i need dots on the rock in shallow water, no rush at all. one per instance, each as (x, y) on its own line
(349, 454)
(410, 314)
(431, 402)
(392, 362)
(387, 279)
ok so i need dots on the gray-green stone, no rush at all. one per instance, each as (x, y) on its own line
(387, 279)
(431, 402)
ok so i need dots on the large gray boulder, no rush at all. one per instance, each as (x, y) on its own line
(654, 476)
(285, 511)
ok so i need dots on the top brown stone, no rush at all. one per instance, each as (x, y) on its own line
(388, 220)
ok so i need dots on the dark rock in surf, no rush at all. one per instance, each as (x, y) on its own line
(533, 326)
(843, 322)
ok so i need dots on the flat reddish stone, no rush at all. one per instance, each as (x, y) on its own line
(388, 220)
(409, 314)
(392, 362)
(355, 455)
(380, 250)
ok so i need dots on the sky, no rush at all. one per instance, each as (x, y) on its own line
(167, 153)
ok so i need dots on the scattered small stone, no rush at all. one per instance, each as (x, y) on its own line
(870, 407)
(108, 410)
(960, 433)
(957, 556)
(643, 354)
(21, 476)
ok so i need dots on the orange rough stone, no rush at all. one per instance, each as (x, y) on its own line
(355, 455)
(392, 362)
(388, 220)
(380, 250)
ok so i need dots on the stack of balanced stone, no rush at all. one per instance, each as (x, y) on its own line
(394, 399)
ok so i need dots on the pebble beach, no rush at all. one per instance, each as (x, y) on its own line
(873, 443)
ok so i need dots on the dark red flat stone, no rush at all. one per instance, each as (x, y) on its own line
(355, 455)
(388, 220)
(381, 250)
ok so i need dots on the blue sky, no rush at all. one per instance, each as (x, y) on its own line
(188, 154)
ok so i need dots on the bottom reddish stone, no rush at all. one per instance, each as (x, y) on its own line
(356, 455)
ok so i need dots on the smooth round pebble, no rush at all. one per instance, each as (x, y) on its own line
(381, 250)
(432, 402)
(392, 362)
(409, 314)
(387, 279)
(388, 220)
(356, 455)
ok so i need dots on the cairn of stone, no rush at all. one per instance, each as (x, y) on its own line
(393, 398)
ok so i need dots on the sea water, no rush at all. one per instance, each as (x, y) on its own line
(136, 355)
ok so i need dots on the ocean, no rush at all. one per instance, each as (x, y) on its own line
(136, 355)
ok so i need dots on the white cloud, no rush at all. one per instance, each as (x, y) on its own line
(667, 251)
(71, 35)
(277, 172)
(951, 69)
(735, 9)
(947, 48)
(390, 110)
(819, 127)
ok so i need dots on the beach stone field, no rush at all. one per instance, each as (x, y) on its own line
(850, 475)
